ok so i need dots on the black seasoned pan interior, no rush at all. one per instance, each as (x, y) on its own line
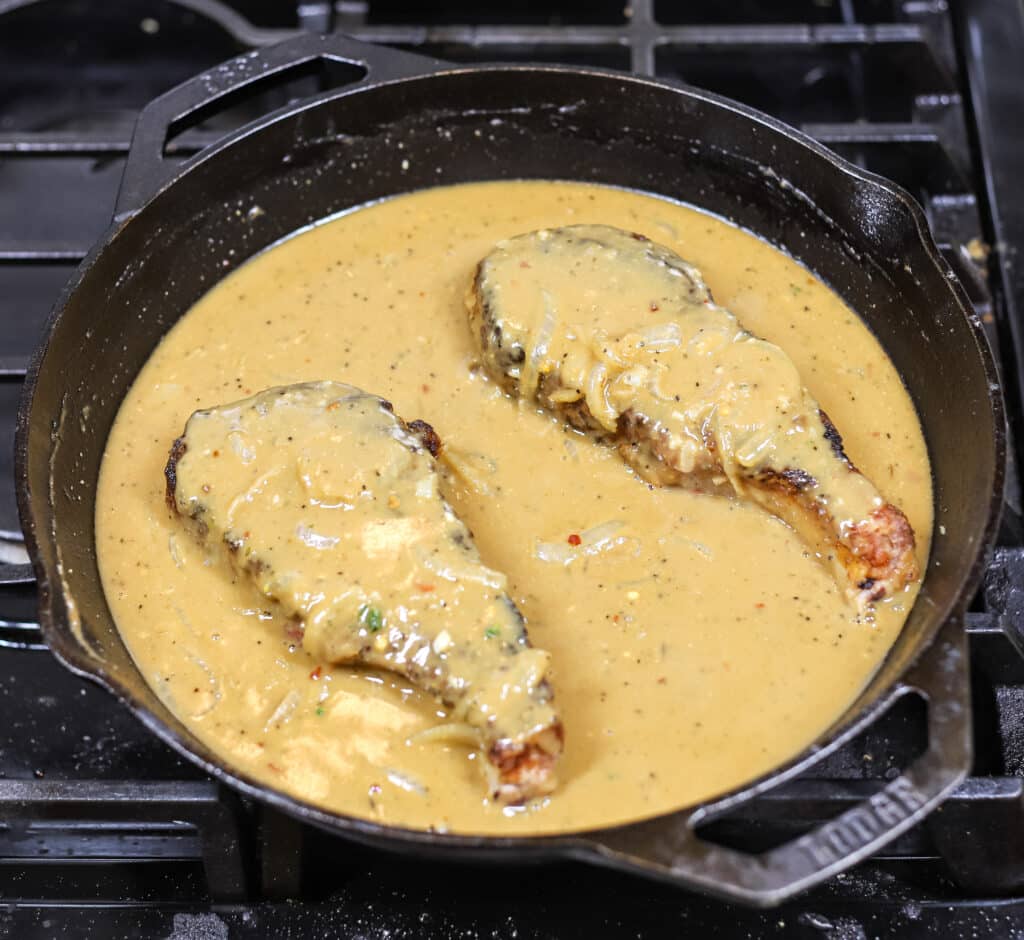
(412, 124)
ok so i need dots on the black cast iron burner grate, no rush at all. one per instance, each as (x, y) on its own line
(94, 811)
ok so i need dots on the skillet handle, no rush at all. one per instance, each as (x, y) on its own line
(671, 849)
(147, 170)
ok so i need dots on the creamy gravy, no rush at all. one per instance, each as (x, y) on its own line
(695, 641)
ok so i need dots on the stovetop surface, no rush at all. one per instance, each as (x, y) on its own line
(106, 832)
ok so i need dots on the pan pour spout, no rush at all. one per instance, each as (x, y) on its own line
(621, 338)
(329, 504)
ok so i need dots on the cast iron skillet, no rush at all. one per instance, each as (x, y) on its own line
(412, 122)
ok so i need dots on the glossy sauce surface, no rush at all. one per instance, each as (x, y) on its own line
(695, 641)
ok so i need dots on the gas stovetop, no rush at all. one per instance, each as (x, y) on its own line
(106, 832)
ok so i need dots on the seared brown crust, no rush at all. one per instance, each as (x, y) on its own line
(833, 436)
(427, 436)
(882, 548)
(791, 482)
(178, 449)
(526, 768)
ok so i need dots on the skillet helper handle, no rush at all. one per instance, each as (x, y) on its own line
(147, 169)
(672, 850)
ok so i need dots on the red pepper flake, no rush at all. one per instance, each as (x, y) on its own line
(425, 387)
(662, 680)
(425, 588)
(216, 453)
(574, 539)
(524, 264)
(293, 630)
(615, 618)
(654, 306)
(275, 768)
(316, 673)
(759, 605)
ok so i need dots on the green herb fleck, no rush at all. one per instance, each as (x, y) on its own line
(320, 710)
(492, 632)
(371, 618)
